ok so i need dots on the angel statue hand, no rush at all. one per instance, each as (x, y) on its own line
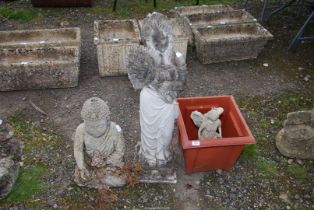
(166, 73)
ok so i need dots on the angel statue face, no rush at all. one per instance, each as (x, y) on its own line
(160, 40)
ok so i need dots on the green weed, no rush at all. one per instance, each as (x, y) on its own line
(266, 167)
(298, 171)
(19, 15)
(27, 184)
(249, 152)
(222, 208)
(265, 124)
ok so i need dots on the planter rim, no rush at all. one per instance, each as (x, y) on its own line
(188, 144)
(36, 44)
(248, 18)
(99, 40)
(263, 33)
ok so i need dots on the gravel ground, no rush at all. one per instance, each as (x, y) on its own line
(243, 187)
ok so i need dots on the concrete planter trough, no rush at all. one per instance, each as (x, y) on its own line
(212, 154)
(180, 40)
(30, 68)
(114, 39)
(230, 42)
(189, 10)
(182, 12)
(40, 38)
(220, 18)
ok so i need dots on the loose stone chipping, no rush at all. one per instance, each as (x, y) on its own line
(296, 139)
(230, 42)
(114, 40)
(36, 59)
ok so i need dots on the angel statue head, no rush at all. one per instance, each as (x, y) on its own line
(157, 31)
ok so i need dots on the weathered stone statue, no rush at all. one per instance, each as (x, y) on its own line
(99, 165)
(160, 73)
(208, 123)
(10, 152)
(296, 139)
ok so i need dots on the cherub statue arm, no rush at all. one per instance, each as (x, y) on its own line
(78, 147)
(116, 157)
(79, 153)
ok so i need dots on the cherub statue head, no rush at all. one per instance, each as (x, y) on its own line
(157, 31)
(95, 113)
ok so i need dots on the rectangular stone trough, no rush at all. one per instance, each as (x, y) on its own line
(37, 68)
(230, 42)
(40, 38)
(220, 18)
(189, 10)
(182, 12)
(114, 39)
(180, 40)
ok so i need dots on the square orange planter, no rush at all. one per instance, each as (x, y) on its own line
(212, 154)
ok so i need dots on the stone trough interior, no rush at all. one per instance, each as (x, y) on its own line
(109, 30)
(41, 36)
(233, 32)
(184, 11)
(38, 56)
(236, 16)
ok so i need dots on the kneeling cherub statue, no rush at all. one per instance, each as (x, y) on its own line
(98, 148)
(209, 123)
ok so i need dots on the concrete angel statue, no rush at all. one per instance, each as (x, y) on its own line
(160, 73)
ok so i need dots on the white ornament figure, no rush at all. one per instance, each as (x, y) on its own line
(160, 73)
(208, 123)
(99, 165)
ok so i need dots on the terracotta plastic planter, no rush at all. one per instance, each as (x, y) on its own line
(212, 154)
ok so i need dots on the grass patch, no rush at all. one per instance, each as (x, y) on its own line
(249, 152)
(32, 175)
(138, 8)
(32, 137)
(266, 167)
(222, 208)
(298, 171)
(19, 15)
(27, 184)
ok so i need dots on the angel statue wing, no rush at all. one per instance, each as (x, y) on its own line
(197, 118)
(140, 67)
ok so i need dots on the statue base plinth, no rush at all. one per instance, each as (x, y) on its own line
(159, 175)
